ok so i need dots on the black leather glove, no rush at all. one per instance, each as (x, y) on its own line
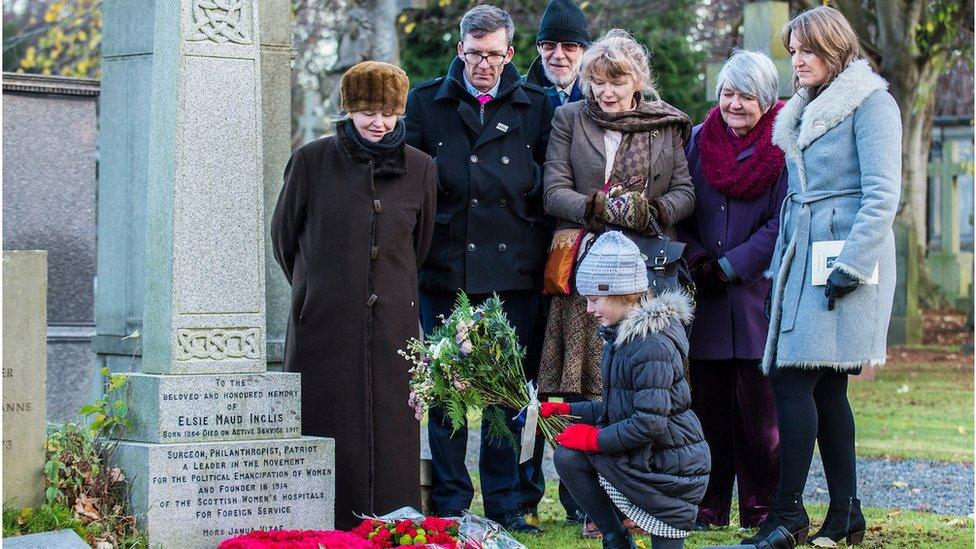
(708, 275)
(839, 284)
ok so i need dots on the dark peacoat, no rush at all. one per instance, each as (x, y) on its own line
(350, 243)
(652, 449)
(731, 323)
(490, 233)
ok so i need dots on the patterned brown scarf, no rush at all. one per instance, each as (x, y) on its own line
(638, 126)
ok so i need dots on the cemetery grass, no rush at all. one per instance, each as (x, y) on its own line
(919, 406)
(888, 528)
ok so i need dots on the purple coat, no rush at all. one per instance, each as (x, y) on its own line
(731, 323)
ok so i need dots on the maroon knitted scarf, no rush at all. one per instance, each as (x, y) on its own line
(751, 178)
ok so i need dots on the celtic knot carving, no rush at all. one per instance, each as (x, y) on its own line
(218, 343)
(219, 21)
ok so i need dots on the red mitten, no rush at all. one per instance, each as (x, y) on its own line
(580, 436)
(547, 409)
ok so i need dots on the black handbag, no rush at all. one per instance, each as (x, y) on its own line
(664, 257)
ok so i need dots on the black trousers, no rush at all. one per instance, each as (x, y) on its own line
(501, 478)
(812, 406)
(581, 478)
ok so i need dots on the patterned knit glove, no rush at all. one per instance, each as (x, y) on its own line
(659, 212)
(594, 217)
(629, 210)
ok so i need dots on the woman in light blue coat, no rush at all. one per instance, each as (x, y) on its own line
(841, 133)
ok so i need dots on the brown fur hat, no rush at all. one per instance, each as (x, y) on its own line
(374, 86)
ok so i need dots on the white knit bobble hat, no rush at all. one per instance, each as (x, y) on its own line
(613, 266)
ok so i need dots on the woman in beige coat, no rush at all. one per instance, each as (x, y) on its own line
(624, 133)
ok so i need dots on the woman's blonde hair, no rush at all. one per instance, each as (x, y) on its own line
(616, 54)
(828, 35)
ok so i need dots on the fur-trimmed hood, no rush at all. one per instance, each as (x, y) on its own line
(654, 314)
(801, 121)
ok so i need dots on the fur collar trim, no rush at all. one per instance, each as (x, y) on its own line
(801, 122)
(654, 314)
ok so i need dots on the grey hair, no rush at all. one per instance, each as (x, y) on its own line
(752, 73)
(485, 19)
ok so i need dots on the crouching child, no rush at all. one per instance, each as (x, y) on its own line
(640, 452)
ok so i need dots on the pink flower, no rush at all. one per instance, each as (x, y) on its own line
(466, 347)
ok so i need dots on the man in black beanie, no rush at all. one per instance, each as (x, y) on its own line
(563, 36)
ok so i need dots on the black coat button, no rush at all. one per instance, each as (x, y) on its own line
(472, 247)
(502, 247)
(474, 202)
(503, 203)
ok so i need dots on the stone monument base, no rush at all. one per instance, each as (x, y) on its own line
(199, 494)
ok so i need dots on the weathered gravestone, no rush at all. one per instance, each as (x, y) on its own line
(60, 539)
(49, 204)
(24, 374)
(215, 448)
(762, 22)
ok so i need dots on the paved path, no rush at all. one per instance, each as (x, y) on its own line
(936, 487)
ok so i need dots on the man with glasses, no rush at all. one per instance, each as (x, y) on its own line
(563, 37)
(487, 130)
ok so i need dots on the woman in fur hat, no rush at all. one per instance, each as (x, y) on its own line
(740, 182)
(841, 132)
(352, 226)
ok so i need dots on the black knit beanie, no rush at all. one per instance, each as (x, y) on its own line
(563, 21)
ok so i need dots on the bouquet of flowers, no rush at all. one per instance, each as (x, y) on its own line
(431, 532)
(474, 361)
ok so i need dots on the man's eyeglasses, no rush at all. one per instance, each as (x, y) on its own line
(474, 58)
(568, 47)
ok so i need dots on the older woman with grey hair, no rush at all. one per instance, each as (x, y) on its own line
(740, 182)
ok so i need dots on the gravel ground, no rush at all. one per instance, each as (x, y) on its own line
(935, 487)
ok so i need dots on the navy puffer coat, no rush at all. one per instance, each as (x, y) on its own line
(652, 447)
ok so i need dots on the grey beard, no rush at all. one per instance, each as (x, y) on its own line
(552, 78)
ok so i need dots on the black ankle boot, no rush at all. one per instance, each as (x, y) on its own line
(843, 521)
(788, 512)
(618, 541)
(781, 538)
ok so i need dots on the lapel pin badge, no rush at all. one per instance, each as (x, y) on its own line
(501, 127)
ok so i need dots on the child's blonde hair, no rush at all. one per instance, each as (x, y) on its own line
(630, 300)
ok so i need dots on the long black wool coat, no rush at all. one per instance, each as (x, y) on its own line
(350, 243)
(490, 233)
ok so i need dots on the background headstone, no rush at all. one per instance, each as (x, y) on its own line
(49, 204)
(24, 374)
(905, 326)
(762, 22)
(276, 56)
(61, 539)
(123, 170)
